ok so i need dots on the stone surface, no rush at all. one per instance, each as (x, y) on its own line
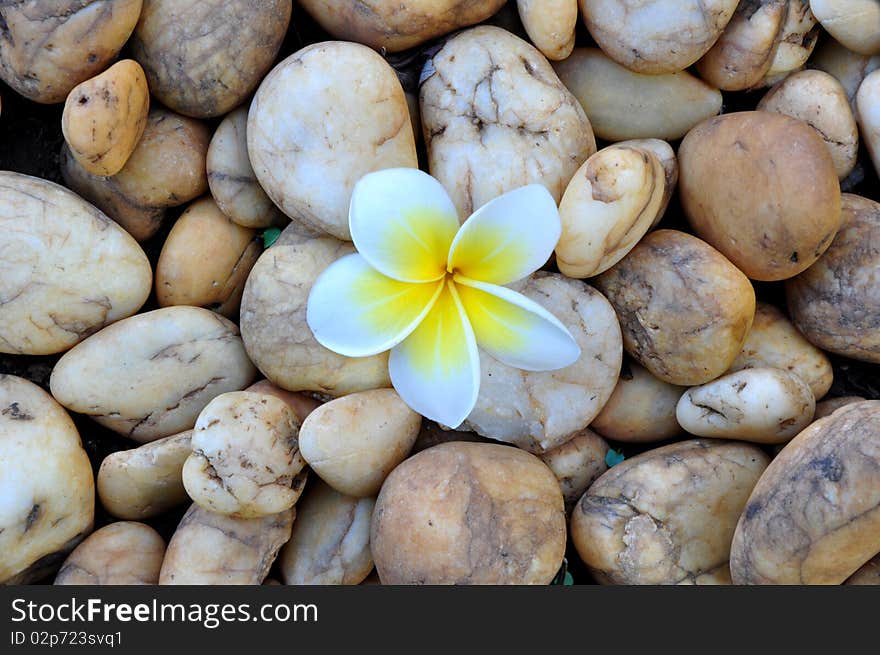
(123, 553)
(150, 375)
(46, 484)
(322, 119)
(66, 270)
(488, 97)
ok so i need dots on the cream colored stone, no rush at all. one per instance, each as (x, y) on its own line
(104, 117)
(322, 119)
(663, 152)
(330, 544)
(150, 375)
(399, 25)
(66, 270)
(795, 43)
(550, 25)
(848, 67)
(762, 405)
(205, 57)
(123, 553)
(868, 108)
(577, 463)
(774, 342)
(145, 481)
(820, 101)
(656, 36)
(245, 461)
(642, 408)
(166, 169)
(354, 442)
(467, 513)
(205, 260)
(743, 54)
(300, 404)
(623, 104)
(231, 176)
(855, 23)
(47, 47)
(667, 516)
(609, 205)
(273, 320)
(212, 549)
(488, 97)
(47, 493)
(539, 410)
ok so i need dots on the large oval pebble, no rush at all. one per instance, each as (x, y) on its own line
(150, 375)
(46, 484)
(321, 119)
(66, 270)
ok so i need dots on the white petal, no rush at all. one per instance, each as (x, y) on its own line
(508, 238)
(402, 221)
(436, 369)
(356, 311)
(515, 329)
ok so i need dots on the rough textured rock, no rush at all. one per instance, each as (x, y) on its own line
(762, 405)
(47, 47)
(245, 460)
(667, 516)
(487, 97)
(814, 517)
(212, 549)
(836, 302)
(66, 270)
(539, 410)
(204, 57)
(684, 309)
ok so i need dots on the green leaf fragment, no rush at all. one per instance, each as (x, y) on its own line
(613, 457)
(270, 236)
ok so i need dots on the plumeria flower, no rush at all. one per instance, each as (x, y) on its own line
(431, 290)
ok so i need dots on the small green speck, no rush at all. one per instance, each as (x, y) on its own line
(270, 236)
(613, 457)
